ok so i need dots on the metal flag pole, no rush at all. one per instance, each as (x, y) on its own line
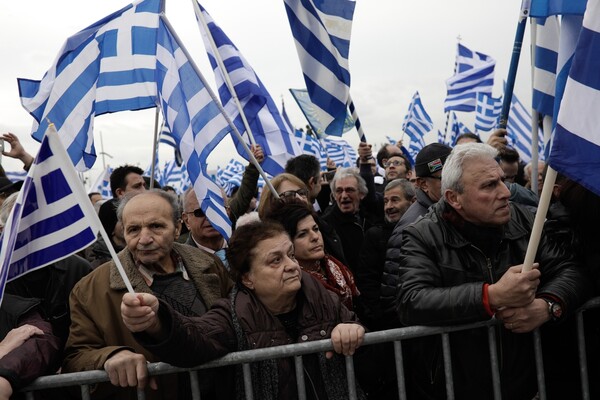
(458, 39)
(514, 64)
(221, 65)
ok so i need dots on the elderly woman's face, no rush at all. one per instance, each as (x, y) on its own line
(274, 273)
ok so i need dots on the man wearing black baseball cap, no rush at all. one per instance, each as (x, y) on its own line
(428, 169)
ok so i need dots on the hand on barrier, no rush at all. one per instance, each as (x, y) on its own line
(128, 369)
(525, 319)
(346, 339)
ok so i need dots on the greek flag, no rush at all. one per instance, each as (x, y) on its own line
(102, 184)
(311, 145)
(576, 146)
(176, 176)
(487, 112)
(474, 74)
(519, 130)
(194, 119)
(310, 112)
(266, 124)
(340, 152)
(544, 71)
(231, 169)
(545, 8)
(158, 175)
(458, 128)
(107, 67)
(416, 124)
(286, 119)
(52, 217)
(321, 30)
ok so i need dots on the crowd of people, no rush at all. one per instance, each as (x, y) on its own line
(331, 254)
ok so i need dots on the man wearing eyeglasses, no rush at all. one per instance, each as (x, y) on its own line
(202, 234)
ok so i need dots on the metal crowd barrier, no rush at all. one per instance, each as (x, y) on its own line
(87, 378)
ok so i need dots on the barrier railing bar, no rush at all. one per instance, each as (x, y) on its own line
(141, 394)
(92, 377)
(85, 392)
(398, 358)
(195, 385)
(494, 362)
(351, 380)
(448, 366)
(583, 371)
(300, 377)
(248, 382)
(539, 364)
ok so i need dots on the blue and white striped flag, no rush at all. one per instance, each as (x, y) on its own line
(519, 131)
(194, 119)
(158, 173)
(311, 145)
(102, 184)
(15, 176)
(544, 71)
(310, 112)
(230, 170)
(416, 124)
(474, 74)
(176, 176)
(264, 119)
(286, 119)
(545, 8)
(487, 112)
(52, 217)
(457, 129)
(340, 151)
(321, 30)
(576, 146)
(107, 67)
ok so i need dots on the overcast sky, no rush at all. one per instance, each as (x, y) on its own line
(397, 48)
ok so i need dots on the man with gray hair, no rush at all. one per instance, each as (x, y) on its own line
(346, 215)
(187, 278)
(462, 263)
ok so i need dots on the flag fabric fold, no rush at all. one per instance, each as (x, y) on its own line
(457, 129)
(321, 31)
(544, 70)
(52, 217)
(107, 67)
(312, 116)
(167, 138)
(474, 74)
(575, 148)
(545, 8)
(519, 131)
(194, 119)
(340, 152)
(102, 184)
(266, 123)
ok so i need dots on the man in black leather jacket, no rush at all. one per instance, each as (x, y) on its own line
(461, 263)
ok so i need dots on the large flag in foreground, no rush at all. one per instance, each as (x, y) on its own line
(576, 145)
(416, 124)
(312, 116)
(474, 74)
(544, 8)
(132, 60)
(265, 121)
(321, 30)
(105, 68)
(52, 217)
(194, 119)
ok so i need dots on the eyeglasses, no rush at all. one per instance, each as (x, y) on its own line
(293, 193)
(395, 163)
(198, 213)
